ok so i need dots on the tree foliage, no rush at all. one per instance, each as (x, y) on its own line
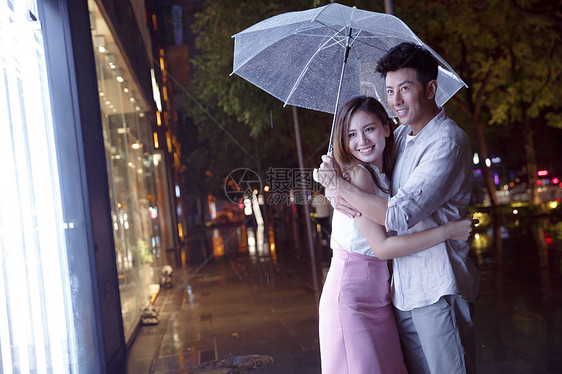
(508, 53)
(239, 125)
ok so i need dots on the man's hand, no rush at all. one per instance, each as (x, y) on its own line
(340, 204)
(461, 229)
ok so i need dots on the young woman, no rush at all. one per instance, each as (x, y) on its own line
(358, 332)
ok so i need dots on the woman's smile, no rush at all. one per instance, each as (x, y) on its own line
(366, 150)
(367, 137)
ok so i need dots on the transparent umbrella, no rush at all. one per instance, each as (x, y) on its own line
(322, 57)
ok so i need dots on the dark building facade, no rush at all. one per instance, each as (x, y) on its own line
(92, 208)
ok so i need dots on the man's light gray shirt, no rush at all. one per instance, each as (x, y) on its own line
(431, 185)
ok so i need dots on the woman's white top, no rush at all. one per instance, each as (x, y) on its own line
(345, 232)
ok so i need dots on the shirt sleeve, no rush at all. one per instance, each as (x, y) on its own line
(438, 176)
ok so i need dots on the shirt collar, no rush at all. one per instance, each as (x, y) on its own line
(428, 129)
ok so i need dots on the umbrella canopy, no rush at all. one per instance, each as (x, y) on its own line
(322, 57)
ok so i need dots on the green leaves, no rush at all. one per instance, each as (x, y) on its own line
(214, 28)
(508, 53)
(249, 128)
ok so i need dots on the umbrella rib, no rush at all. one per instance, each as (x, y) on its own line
(326, 45)
(331, 27)
(355, 38)
(332, 37)
(305, 69)
(301, 33)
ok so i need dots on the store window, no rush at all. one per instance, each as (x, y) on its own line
(46, 309)
(130, 164)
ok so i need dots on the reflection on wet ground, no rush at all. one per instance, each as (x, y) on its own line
(519, 315)
(249, 290)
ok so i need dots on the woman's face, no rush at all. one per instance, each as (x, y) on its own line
(366, 137)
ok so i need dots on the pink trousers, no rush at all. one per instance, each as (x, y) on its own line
(358, 333)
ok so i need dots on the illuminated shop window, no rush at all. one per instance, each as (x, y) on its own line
(37, 329)
(129, 148)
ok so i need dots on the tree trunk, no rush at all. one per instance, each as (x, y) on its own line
(489, 182)
(529, 146)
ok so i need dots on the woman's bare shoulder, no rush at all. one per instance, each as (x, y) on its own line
(362, 179)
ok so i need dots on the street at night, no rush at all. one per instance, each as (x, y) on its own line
(280, 186)
(252, 297)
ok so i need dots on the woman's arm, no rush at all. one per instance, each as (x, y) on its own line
(386, 247)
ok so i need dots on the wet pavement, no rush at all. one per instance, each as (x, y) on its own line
(518, 316)
(250, 292)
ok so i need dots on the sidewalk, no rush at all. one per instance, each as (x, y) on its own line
(226, 308)
(261, 302)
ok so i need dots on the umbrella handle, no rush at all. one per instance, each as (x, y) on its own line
(315, 170)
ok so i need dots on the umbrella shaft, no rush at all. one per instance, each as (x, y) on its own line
(347, 48)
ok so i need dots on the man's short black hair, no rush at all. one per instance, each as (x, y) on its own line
(409, 55)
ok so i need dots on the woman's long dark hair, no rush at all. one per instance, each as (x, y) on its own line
(342, 152)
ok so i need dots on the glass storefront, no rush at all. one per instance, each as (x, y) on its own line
(129, 150)
(46, 304)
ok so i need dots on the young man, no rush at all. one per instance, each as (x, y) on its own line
(432, 290)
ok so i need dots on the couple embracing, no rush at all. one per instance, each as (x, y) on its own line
(415, 184)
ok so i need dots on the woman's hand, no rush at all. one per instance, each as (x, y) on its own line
(329, 173)
(330, 176)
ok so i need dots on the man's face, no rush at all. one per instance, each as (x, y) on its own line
(408, 98)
